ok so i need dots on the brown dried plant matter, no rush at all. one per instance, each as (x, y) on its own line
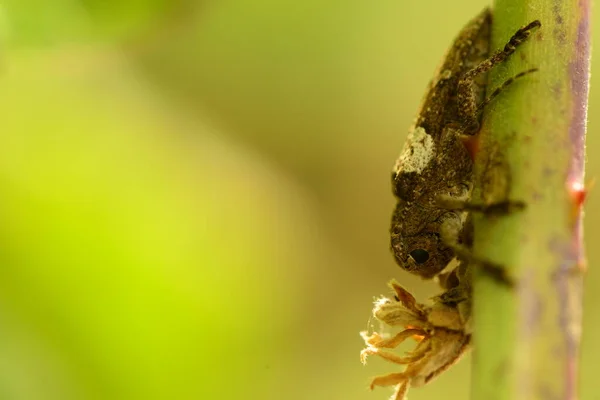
(441, 330)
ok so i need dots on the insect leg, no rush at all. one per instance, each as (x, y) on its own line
(467, 107)
(450, 232)
(501, 88)
(492, 209)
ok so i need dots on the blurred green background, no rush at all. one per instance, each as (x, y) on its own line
(196, 198)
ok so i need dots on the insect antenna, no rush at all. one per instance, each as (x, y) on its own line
(501, 88)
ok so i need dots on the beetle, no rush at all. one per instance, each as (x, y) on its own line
(432, 179)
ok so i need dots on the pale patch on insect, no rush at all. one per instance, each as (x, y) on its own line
(417, 153)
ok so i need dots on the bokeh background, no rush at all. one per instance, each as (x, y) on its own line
(195, 195)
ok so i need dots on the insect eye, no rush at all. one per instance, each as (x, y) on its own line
(419, 255)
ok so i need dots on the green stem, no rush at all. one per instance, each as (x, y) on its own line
(532, 149)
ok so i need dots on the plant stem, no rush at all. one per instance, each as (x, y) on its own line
(532, 149)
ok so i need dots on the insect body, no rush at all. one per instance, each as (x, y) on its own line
(435, 165)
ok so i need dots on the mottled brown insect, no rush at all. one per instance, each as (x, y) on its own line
(433, 177)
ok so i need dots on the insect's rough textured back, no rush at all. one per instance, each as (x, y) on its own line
(471, 47)
(439, 112)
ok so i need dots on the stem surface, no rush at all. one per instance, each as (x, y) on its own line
(532, 149)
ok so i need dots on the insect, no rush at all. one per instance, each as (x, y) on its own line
(433, 177)
(432, 181)
(443, 337)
